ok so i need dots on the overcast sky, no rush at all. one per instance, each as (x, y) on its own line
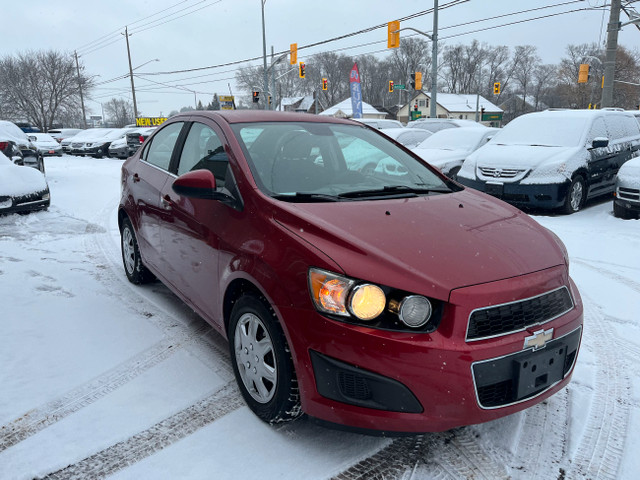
(187, 34)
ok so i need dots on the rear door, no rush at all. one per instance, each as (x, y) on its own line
(149, 175)
(599, 158)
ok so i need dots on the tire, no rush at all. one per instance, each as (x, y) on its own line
(621, 212)
(576, 195)
(262, 361)
(136, 272)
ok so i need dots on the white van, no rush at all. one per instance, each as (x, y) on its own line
(554, 159)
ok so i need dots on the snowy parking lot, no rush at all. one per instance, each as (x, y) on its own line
(99, 378)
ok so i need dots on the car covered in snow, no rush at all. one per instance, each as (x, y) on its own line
(47, 146)
(409, 137)
(399, 302)
(22, 189)
(554, 159)
(89, 141)
(30, 155)
(380, 123)
(61, 133)
(127, 145)
(437, 124)
(447, 149)
(626, 202)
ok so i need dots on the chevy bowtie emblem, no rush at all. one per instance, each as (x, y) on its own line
(539, 339)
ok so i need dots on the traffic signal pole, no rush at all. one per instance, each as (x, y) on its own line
(434, 62)
(265, 84)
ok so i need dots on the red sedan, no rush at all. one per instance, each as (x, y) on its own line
(387, 298)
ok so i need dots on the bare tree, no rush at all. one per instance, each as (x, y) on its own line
(524, 63)
(119, 112)
(413, 55)
(38, 86)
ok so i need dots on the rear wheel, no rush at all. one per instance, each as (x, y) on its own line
(576, 195)
(262, 361)
(136, 272)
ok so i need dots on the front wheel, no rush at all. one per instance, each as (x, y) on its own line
(262, 361)
(576, 195)
(136, 272)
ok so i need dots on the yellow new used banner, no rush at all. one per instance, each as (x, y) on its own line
(150, 121)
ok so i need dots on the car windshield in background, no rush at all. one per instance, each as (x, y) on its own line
(543, 130)
(324, 162)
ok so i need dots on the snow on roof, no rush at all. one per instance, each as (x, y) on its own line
(345, 107)
(458, 102)
(305, 103)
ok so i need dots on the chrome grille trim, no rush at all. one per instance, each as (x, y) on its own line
(629, 194)
(491, 172)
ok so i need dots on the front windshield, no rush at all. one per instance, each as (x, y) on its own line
(453, 139)
(545, 130)
(331, 161)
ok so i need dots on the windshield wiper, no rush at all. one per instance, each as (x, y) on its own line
(306, 197)
(391, 190)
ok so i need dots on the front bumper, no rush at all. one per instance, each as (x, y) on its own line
(25, 203)
(628, 198)
(546, 196)
(434, 378)
(97, 150)
(119, 152)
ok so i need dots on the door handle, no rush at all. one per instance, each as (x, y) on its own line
(165, 201)
(136, 178)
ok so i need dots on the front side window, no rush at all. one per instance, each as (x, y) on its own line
(159, 152)
(203, 150)
(331, 161)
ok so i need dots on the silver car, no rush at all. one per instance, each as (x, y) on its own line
(626, 202)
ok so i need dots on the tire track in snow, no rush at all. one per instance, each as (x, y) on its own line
(600, 451)
(626, 281)
(159, 436)
(41, 417)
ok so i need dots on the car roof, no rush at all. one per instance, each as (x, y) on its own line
(246, 116)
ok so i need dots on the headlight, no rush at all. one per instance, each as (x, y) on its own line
(367, 301)
(415, 311)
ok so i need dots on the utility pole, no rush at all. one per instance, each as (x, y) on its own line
(434, 62)
(610, 56)
(264, 58)
(133, 88)
(84, 115)
(272, 106)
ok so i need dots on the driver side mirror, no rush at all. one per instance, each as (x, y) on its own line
(599, 142)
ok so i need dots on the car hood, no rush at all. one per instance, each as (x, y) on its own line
(518, 156)
(428, 244)
(17, 181)
(438, 157)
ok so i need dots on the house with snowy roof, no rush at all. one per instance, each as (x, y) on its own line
(344, 110)
(304, 104)
(453, 105)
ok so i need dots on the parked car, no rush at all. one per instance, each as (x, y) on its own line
(30, 155)
(47, 146)
(353, 298)
(99, 146)
(436, 124)
(78, 143)
(21, 189)
(10, 149)
(447, 149)
(409, 137)
(127, 145)
(626, 201)
(554, 159)
(61, 133)
(380, 123)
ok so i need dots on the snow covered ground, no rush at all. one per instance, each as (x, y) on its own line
(100, 378)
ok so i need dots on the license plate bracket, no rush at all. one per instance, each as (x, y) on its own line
(539, 370)
(494, 188)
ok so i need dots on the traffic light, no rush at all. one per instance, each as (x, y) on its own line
(293, 54)
(413, 81)
(301, 69)
(481, 113)
(325, 83)
(583, 74)
(390, 86)
(496, 88)
(418, 81)
(393, 34)
(256, 96)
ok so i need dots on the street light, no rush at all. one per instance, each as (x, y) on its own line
(140, 66)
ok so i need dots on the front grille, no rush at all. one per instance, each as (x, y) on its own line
(518, 377)
(76, 145)
(499, 172)
(516, 316)
(353, 386)
(630, 194)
